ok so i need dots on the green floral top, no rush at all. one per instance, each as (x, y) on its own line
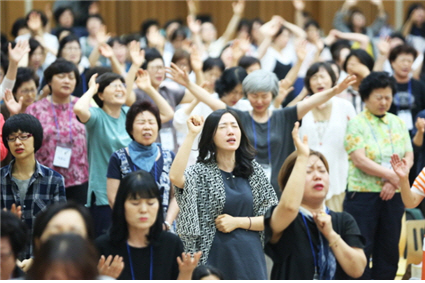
(380, 137)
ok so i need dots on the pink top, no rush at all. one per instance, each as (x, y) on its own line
(77, 173)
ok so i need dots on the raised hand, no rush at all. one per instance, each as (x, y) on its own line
(34, 23)
(420, 125)
(238, 7)
(302, 146)
(299, 5)
(92, 83)
(143, 81)
(195, 124)
(349, 80)
(17, 53)
(284, 89)
(400, 166)
(111, 266)
(137, 56)
(384, 47)
(187, 263)
(191, 7)
(195, 59)
(376, 2)
(193, 24)
(226, 223)
(105, 50)
(11, 104)
(350, 3)
(301, 49)
(178, 75)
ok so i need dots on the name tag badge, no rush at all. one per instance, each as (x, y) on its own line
(406, 116)
(167, 138)
(62, 157)
(268, 170)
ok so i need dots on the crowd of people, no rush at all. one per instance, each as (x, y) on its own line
(177, 154)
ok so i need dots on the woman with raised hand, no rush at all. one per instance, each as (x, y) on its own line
(325, 126)
(268, 131)
(137, 234)
(223, 197)
(411, 196)
(307, 240)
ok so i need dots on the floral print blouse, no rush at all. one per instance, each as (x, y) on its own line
(380, 137)
(77, 172)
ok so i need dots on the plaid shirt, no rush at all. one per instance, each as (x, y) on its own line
(45, 187)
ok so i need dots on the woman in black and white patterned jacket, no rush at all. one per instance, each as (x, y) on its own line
(223, 197)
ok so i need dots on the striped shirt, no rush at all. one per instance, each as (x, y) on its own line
(419, 184)
(45, 187)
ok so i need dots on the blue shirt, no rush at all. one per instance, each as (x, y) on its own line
(45, 187)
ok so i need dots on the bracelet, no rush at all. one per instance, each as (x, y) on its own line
(334, 242)
(168, 225)
(249, 224)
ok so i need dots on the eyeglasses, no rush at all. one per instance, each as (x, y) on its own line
(117, 86)
(28, 91)
(21, 137)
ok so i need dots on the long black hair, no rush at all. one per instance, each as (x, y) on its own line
(135, 185)
(207, 149)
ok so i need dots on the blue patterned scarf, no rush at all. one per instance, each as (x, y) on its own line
(326, 258)
(143, 156)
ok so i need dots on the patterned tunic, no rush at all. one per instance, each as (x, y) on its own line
(77, 173)
(380, 138)
(202, 199)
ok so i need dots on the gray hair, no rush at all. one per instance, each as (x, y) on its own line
(261, 81)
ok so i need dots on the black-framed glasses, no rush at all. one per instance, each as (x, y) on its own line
(22, 137)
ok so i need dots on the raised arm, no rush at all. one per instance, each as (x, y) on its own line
(418, 139)
(106, 51)
(339, 21)
(296, 30)
(401, 168)
(143, 82)
(299, 6)
(287, 209)
(269, 31)
(82, 106)
(301, 52)
(194, 124)
(181, 77)
(384, 49)
(137, 59)
(238, 8)
(363, 39)
(15, 55)
(317, 99)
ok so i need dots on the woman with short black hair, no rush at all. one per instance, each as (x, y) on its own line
(27, 185)
(223, 197)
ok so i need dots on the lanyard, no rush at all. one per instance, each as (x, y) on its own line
(316, 263)
(131, 263)
(268, 138)
(56, 119)
(376, 139)
(409, 90)
(154, 166)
